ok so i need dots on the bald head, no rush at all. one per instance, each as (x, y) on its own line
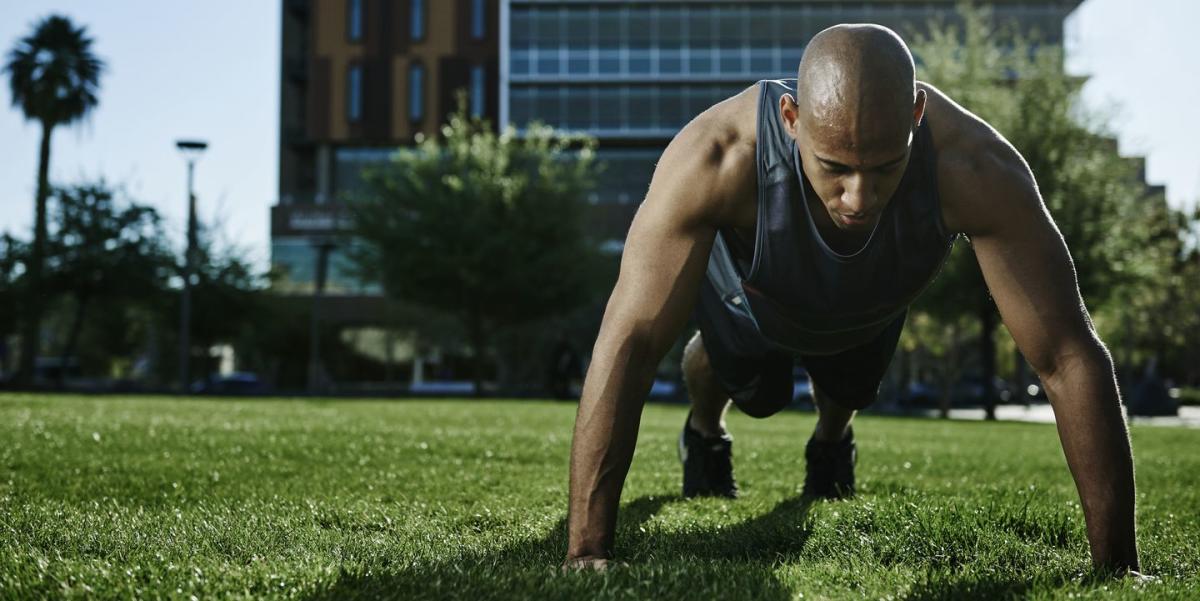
(855, 73)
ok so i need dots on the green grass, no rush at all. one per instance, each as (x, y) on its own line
(158, 497)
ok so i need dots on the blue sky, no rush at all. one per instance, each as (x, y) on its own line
(175, 69)
(211, 69)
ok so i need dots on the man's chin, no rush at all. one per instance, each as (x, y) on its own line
(848, 224)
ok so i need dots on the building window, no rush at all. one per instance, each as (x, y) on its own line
(477, 87)
(417, 19)
(416, 92)
(354, 93)
(478, 19)
(354, 20)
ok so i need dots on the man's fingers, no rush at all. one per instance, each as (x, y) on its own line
(1140, 578)
(590, 564)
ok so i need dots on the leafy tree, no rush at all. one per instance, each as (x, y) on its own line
(1158, 325)
(486, 227)
(12, 260)
(1096, 197)
(102, 250)
(55, 79)
(228, 305)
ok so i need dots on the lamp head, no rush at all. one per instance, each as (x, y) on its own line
(191, 149)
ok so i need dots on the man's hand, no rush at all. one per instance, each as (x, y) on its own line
(1139, 578)
(589, 564)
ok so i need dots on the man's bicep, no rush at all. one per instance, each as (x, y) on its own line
(1027, 265)
(665, 256)
(666, 250)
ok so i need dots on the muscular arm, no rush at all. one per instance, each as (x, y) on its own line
(1029, 272)
(665, 256)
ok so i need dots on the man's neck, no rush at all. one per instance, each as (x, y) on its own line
(841, 241)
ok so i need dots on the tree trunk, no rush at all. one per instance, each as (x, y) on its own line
(31, 331)
(987, 354)
(475, 325)
(949, 374)
(73, 338)
(1021, 378)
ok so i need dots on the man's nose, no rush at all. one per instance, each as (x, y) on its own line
(857, 194)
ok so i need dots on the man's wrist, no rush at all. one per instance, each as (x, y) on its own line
(1119, 565)
(1119, 561)
(588, 553)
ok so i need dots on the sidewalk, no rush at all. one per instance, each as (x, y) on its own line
(1189, 417)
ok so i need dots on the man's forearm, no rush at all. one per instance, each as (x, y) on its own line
(1094, 438)
(606, 427)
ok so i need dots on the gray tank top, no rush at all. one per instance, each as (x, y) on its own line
(790, 286)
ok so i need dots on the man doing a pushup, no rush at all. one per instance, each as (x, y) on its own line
(799, 219)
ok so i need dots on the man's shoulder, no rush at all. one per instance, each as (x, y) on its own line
(971, 154)
(956, 131)
(714, 154)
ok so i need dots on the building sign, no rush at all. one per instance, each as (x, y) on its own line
(293, 219)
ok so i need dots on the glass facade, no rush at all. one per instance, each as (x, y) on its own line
(633, 74)
(416, 92)
(478, 90)
(354, 20)
(354, 93)
(582, 65)
(478, 19)
(294, 260)
(416, 20)
(348, 165)
(617, 110)
(625, 174)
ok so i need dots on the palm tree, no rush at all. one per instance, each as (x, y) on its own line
(55, 79)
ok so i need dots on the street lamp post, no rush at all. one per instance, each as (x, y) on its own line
(191, 150)
(323, 247)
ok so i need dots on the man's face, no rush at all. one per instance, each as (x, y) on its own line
(854, 161)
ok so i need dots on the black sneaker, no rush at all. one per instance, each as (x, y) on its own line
(707, 464)
(830, 467)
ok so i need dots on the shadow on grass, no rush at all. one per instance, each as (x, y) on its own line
(734, 560)
(737, 561)
(950, 586)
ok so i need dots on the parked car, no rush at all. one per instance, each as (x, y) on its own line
(801, 386)
(919, 394)
(440, 387)
(664, 388)
(967, 391)
(1152, 397)
(236, 383)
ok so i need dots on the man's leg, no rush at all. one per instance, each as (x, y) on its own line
(708, 398)
(843, 384)
(833, 419)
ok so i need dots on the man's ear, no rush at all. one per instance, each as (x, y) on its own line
(789, 111)
(919, 108)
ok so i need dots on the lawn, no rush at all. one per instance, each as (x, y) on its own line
(292, 498)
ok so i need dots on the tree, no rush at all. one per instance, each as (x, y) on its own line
(228, 305)
(12, 261)
(1095, 196)
(101, 250)
(226, 294)
(488, 228)
(55, 79)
